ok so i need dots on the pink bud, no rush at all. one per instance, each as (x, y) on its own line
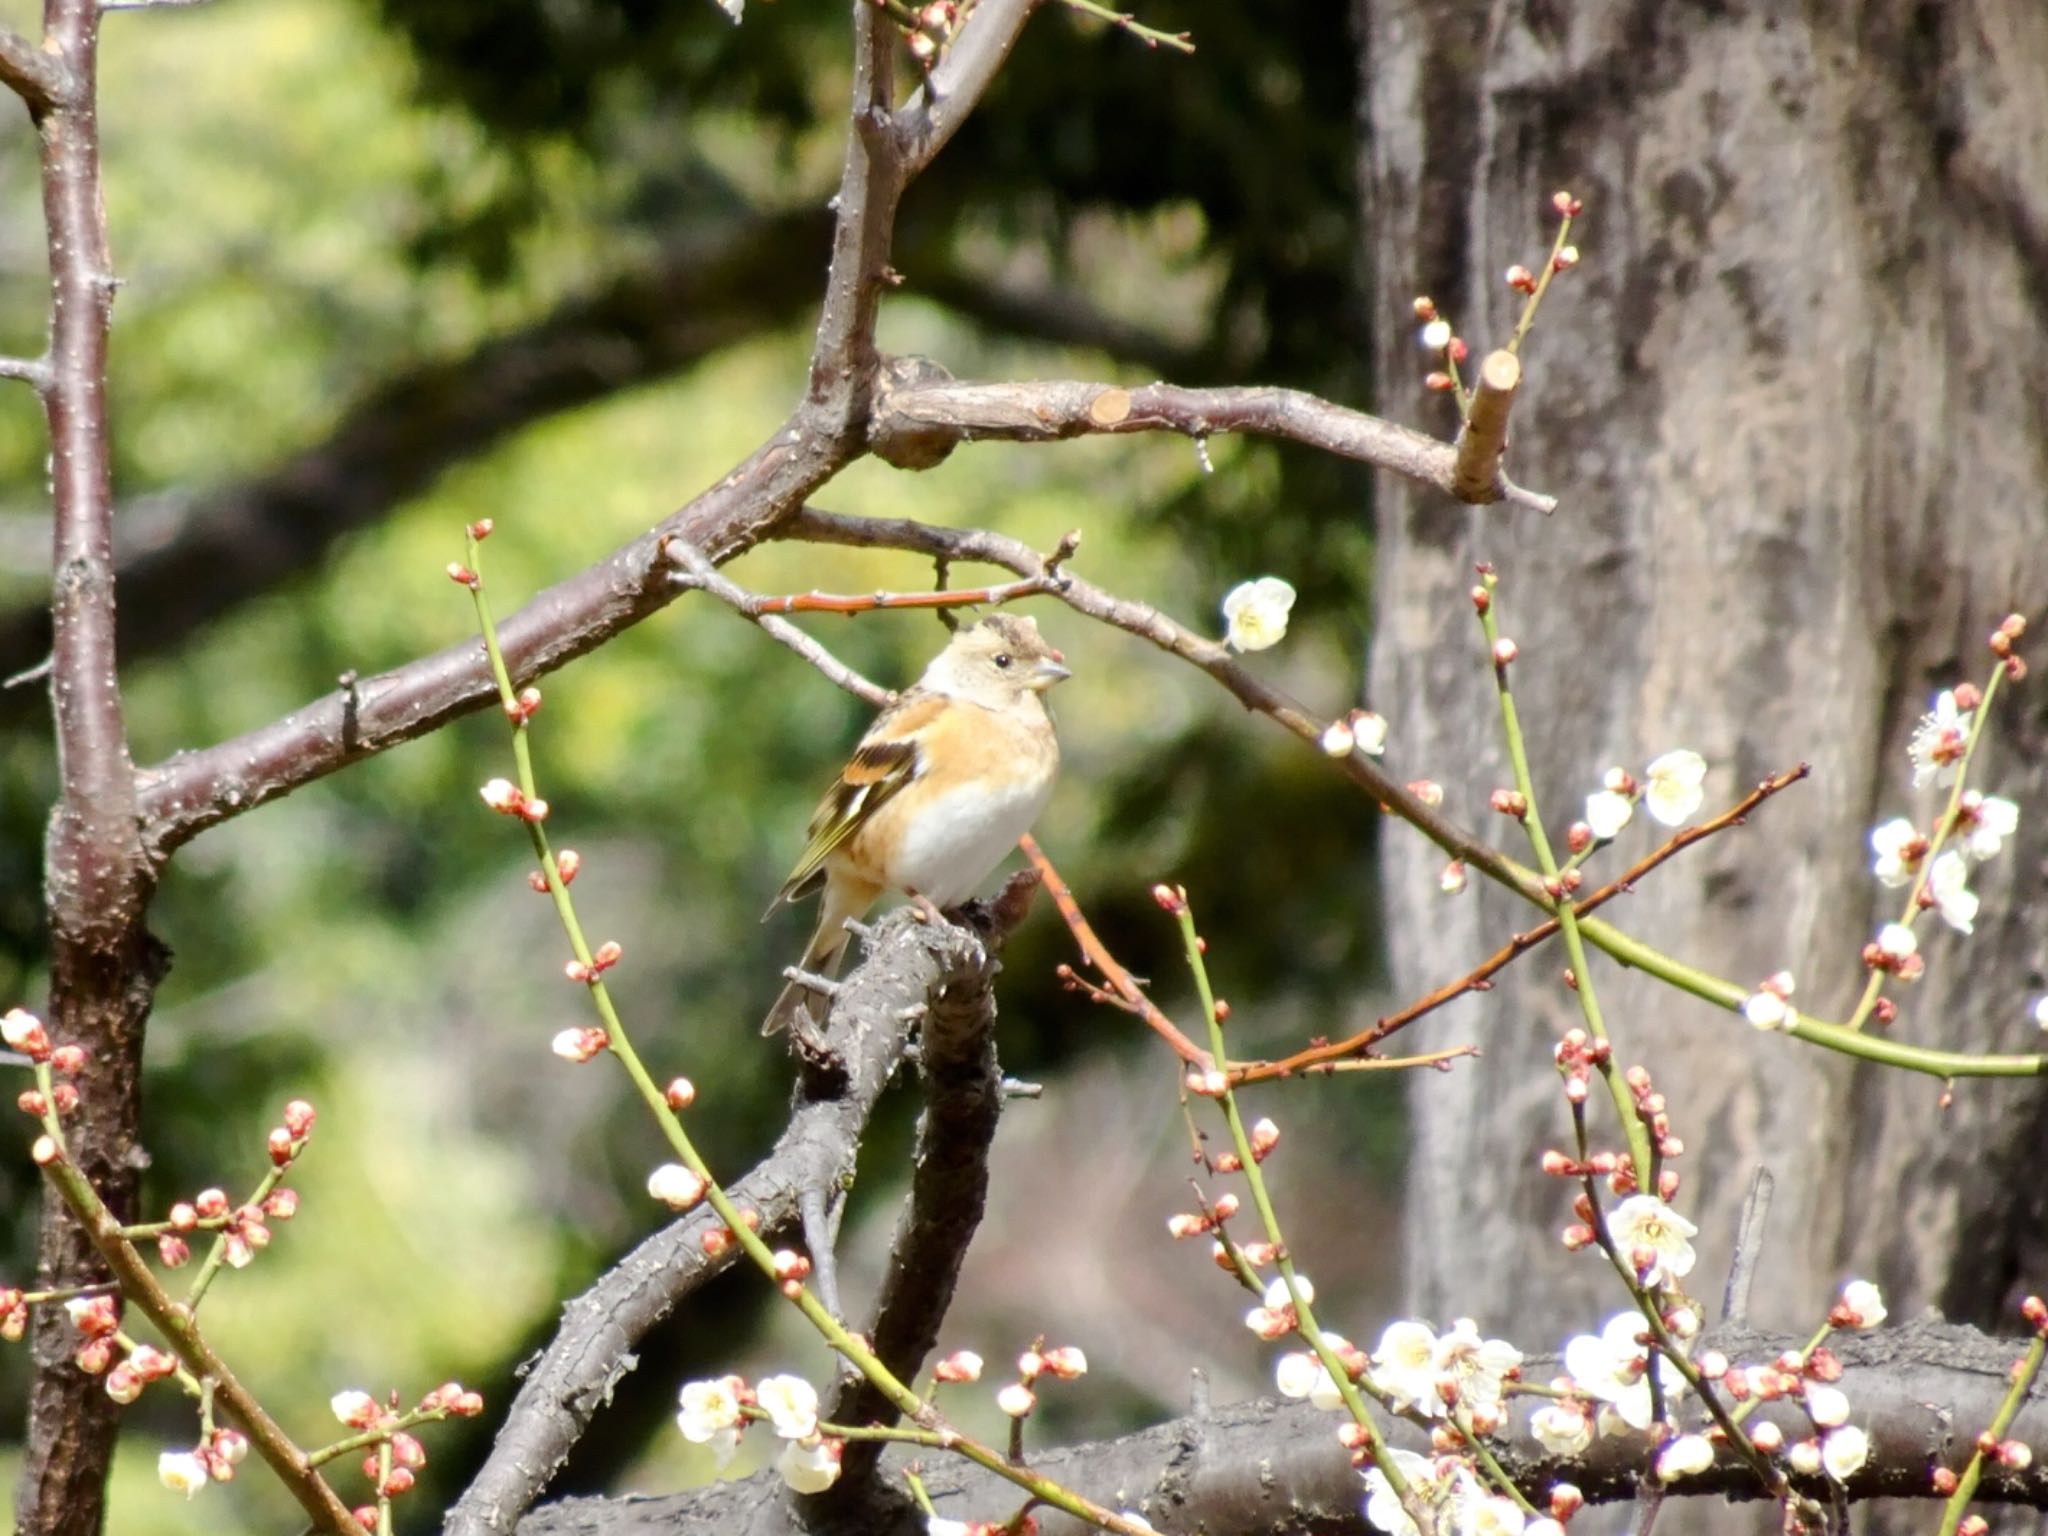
(280, 1146)
(67, 1060)
(210, 1203)
(172, 1251)
(298, 1119)
(681, 1093)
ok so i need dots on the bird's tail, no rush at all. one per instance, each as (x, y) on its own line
(821, 958)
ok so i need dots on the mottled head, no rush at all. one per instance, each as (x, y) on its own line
(996, 662)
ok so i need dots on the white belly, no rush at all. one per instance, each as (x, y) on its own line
(958, 838)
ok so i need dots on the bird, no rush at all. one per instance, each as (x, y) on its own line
(941, 787)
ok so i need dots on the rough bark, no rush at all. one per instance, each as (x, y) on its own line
(1793, 403)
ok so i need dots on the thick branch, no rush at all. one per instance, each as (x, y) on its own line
(1921, 1392)
(948, 1194)
(103, 964)
(192, 791)
(36, 75)
(917, 422)
(909, 965)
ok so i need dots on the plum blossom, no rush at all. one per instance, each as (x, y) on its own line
(1299, 1374)
(1899, 848)
(1614, 1365)
(1672, 788)
(711, 1415)
(181, 1472)
(1383, 1510)
(1687, 1456)
(1866, 1301)
(1895, 941)
(1844, 1451)
(1479, 1367)
(1256, 612)
(1405, 1366)
(1984, 822)
(791, 1404)
(1948, 885)
(1939, 742)
(1483, 1514)
(1563, 1428)
(1827, 1406)
(1644, 1224)
(1607, 813)
(810, 1465)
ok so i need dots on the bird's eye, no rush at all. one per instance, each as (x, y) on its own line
(1003, 659)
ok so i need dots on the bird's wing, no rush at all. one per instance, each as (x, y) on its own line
(888, 758)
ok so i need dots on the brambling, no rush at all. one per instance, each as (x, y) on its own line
(938, 791)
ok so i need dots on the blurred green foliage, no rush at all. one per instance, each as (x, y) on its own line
(305, 195)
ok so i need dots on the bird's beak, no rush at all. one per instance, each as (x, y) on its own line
(1047, 673)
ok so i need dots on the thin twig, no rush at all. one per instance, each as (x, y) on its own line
(33, 371)
(1120, 980)
(1151, 37)
(703, 575)
(1749, 1246)
(1480, 977)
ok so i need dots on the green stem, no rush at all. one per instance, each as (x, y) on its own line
(1255, 1179)
(1632, 1126)
(1535, 300)
(1966, 1485)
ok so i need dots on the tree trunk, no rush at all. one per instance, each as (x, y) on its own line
(1794, 402)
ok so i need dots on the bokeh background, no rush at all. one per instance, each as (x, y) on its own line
(312, 199)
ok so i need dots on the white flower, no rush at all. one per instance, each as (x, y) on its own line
(1016, 1399)
(1938, 742)
(1382, 1509)
(1478, 1366)
(1866, 1301)
(1436, 335)
(355, 1409)
(1613, 1366)
(1561, 1428)
(1844, 1451)
(810, 1466)
(181, 1472)
(1948, 884)
(2040, 1012)
(711, 1416)
(1684, 1457)
(1644, 1224)
(1899, 848)
(1370, 732)
(1484, 1514)
(1896, 942)
(1986, 822)
(1452, 881)
(939, 1525)
(791, 1404)
(1827, 1406)
(1767, 1010)
(1338, 738)
(1543, 1526)
(675, 1186)
(1405, 1366)
(1299, 1374)
(1256, 612)
(1672, 786)
(1607, 813)
(1804, 1457)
